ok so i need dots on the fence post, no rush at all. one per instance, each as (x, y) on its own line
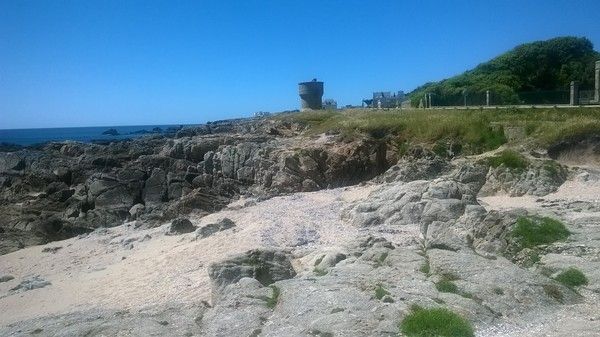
(487, 98)
(429, 100)
(574, 93)
(597, 86)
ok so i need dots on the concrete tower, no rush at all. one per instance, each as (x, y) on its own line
(311, 95)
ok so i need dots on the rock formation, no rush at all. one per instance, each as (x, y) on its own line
(264, 239)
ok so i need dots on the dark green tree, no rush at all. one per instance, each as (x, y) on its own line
(532, 67)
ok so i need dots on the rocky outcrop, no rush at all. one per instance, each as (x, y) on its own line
(444, 209)
(65, 189)
(539, 178)
(377, 283)
(402, 243)
(175, 319)
(418, 164)
(266, 266)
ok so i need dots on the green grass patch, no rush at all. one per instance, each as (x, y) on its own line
(510, 159)
(573, 127)
(319, 271)
(383, 256)
(381, 259)
(572, 277)
(439, 322)
(474, 130)
(446, 286)
(271, 302)
(425, 268)
(534, 231)
(380, 292)
(498, 291)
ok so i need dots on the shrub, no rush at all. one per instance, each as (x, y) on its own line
(435, 322)
(572, 277)
(534, 231)
(510, 159)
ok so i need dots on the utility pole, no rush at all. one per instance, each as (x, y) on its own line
(597, 91)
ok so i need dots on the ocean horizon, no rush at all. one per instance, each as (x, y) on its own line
(86, 134)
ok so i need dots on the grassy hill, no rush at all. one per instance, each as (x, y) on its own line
(533, 67)
(474, 131)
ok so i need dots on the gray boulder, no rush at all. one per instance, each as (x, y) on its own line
(266, 266)
(11, 162)
(34, 282)
(6, 278)
(180, 226)
(155, 190)
(210, 229)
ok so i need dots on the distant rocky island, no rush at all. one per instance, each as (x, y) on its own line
(111, 132)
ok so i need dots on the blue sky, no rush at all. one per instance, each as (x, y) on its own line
(92, 63)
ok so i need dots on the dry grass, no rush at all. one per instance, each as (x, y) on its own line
(476, 130)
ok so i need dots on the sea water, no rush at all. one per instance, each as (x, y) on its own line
(81, 134)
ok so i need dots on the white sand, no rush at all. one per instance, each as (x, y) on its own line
(92, 272)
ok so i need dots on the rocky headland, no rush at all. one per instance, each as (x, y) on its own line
(267, 228)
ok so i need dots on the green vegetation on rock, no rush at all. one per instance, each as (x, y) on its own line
(509, 159)
(446, 286)
(381, 259)
(438, 322)
(572, 277)
(464, 131)
(498, 291)
(380, 292)
(319, 271)
(271, 302)
(533, 231)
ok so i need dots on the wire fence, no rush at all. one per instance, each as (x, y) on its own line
(587, 97)
(545, 97)
(490, 98)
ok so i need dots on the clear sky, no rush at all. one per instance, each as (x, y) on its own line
(125, 62)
